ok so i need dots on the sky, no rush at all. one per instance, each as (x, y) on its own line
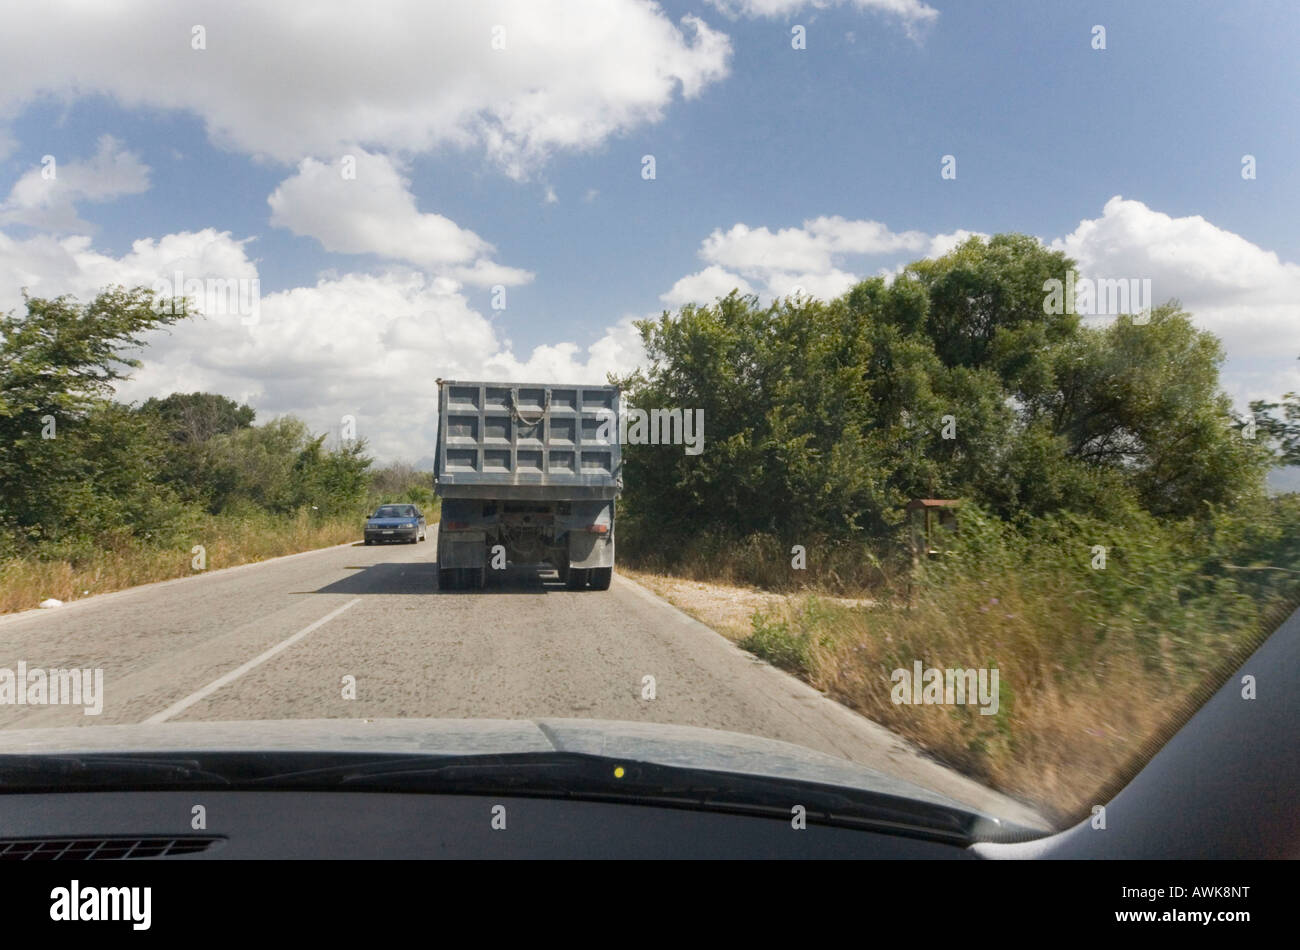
(410, 190)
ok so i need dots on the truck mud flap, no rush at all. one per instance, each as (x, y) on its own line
(590, 550)
(462, 549)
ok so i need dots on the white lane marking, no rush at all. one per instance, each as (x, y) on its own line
(236, 673)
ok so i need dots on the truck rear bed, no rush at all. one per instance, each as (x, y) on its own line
(527, 441)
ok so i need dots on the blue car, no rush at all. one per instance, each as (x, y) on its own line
(395, 523)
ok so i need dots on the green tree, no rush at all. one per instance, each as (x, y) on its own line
(332, 481)
(1144, 400)
(987, 305)
(197, 417)
(1280, 425)
(69, 459)
(189, 421)
(789, 448)
(281, 467)
(955, 380)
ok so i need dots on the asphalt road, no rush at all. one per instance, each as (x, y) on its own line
(275, 640)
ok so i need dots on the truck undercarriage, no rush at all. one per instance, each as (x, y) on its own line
(477, 538)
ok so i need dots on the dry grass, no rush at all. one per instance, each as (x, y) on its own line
(25, 582)
(758, 561)
(1068, 720)
(1063, 728)
(1096, 664)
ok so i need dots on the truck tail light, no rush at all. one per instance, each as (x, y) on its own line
(598, 528)
(457, 525)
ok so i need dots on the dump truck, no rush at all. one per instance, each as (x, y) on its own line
(527, 474)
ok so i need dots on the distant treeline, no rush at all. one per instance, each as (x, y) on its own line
(81, 472)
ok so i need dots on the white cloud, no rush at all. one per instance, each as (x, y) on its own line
(705, 287)
(824, 285)
(1188, 258)
(913, 14)
(618, 350)
(47, 266)
(810, 259)
(48, 200)
(862, 237)
(312, 78)
(757, 249)
(366, 345)
(1245, 295)
(811, 248)
(372, 211)
(941, 244)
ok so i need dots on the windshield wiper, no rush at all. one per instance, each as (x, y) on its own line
(29, 773)
(568, 775)
(599, 778)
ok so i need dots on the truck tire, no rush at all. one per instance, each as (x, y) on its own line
(447, 578)
(577, 578)
(600, 577)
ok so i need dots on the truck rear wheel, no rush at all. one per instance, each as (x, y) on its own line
(447, 578)
(600, 577)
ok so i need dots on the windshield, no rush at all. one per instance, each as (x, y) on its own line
(395, 511)
(911, 385)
